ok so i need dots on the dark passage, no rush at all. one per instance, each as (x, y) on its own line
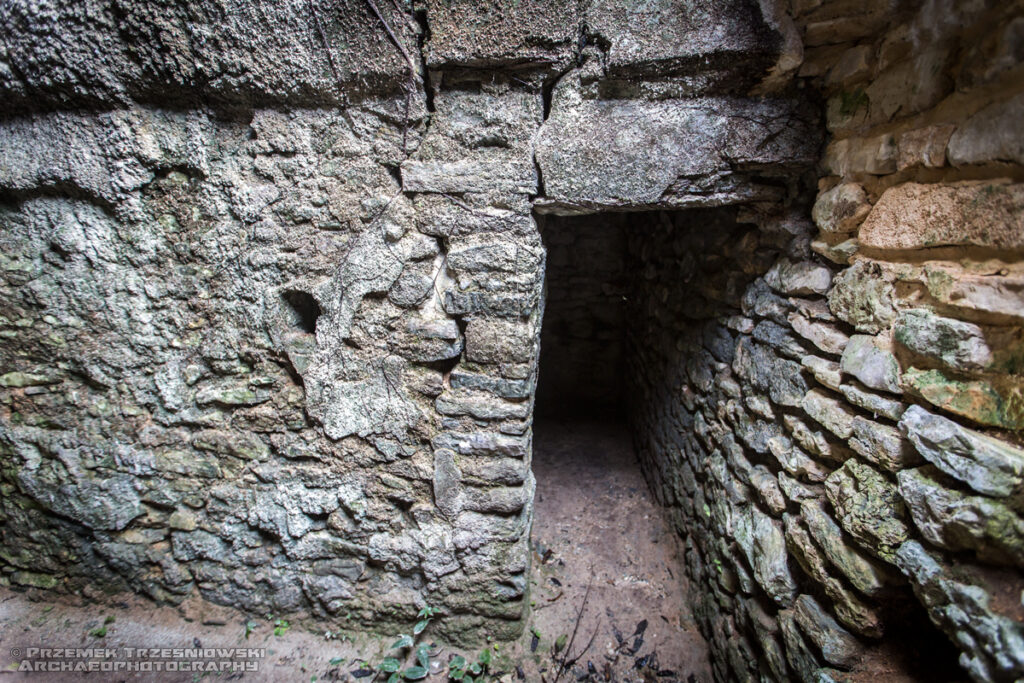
(583, 339)
(596, 523)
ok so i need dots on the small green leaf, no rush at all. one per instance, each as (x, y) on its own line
(415, 673)
(485, 657)
(403, 641)
(475, 669)
(390, 665)
(456, 674)
(458, 662)
(395, 678)
(337, 661)
(467, 679)
(423, 656)
(420, 625)
(560, 643)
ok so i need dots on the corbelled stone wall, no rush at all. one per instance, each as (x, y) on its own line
(271, 308)
(839, 438)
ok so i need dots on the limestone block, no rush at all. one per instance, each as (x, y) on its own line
(863, 295)
(876, 404)
(502, 33)
(823, 335)
(800, 278)
(90, 53)
(829, 412)
(853, 612)
(837, 646)
(916, 216)
(852, 156)
(866, 574)
(873, 366)
(854, 65)
(737, 37)
(997, 400)
(869, 507)
(954, 343)
(882, 445)
(950, 519)
(989, 466)
(992, 645)
(500, 341)
(841, 209)
(993, 134)
(764, 545)
(924, 147)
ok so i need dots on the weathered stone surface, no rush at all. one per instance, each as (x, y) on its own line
(916, 216)
(635, 153)
(798, 653)
(823, 335)
(850, 609)
(841, 209)
(992, 645)
(779, 377)
(875, 367)
(882, 445)
(795, 461)
(815, 441)
(502, 33)
(956, 344)
(731, 36)
(876, 404)
(198, 53)
(825, 371)
(987, 465)
(990, 135)
(837, 646)
(869, 507)
(997, 402)
(468, 176)
(950, 519)
(924, 147)
(829, 412)
(764, 545)
(851, 156)
(866, 574)
(499, 341)
(800, 278)
(863, 295)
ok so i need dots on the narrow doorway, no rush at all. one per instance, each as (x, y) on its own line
(605, 553)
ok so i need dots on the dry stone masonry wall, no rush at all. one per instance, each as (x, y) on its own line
(272, 290)
(840, 438)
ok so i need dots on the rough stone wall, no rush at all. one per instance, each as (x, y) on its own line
(840, 440)
(272, 284)
(271, 309)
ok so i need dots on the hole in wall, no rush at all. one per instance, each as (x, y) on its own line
(303, 310)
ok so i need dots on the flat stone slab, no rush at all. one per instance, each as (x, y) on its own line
(916, 216)
(635, 153)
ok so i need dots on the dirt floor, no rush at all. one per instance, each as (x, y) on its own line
(597, 528)
(608, 594)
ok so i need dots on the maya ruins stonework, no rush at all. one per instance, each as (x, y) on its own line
(272, 285)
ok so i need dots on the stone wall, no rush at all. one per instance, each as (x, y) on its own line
(840, 439)
(272, 284)
(271, 309)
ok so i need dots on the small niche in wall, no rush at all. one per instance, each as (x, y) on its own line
(303, 310)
